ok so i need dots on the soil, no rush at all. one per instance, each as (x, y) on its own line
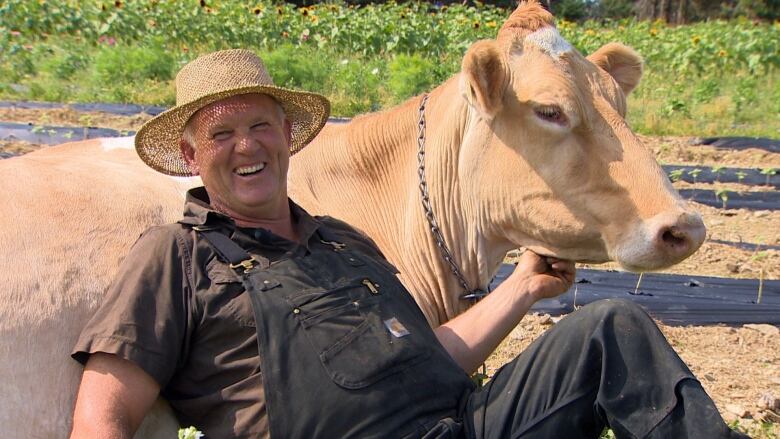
(738, 366)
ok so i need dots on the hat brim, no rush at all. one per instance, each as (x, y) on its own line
(158, 141)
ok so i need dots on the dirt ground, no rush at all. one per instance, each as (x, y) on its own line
(738, 366)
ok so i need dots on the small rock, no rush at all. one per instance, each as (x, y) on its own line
(709, 377)
(775, 380)
(546, 320)
(715, 222)
(763, 328)
(737, 410)
(734, 268)
(768, 401)
(761, 213)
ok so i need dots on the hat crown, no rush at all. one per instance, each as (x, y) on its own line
(218, 72)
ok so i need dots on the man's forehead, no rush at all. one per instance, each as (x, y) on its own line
(216, 111)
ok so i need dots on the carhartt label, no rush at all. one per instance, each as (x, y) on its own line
(396, 328)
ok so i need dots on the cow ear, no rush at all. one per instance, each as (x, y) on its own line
(621, 62)
(484, 77)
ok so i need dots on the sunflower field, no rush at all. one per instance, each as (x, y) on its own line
(718, 77)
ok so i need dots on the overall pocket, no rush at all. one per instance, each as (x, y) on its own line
(350, 329)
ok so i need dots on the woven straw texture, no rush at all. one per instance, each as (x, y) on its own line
(217, 76)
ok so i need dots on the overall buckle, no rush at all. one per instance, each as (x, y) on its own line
(247, 264)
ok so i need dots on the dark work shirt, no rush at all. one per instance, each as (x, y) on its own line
(183, 316)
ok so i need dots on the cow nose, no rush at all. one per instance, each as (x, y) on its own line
(678, 236)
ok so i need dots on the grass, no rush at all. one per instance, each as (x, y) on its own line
(711, 106)
(664, 104)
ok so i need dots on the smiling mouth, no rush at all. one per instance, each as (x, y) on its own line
(250, 170)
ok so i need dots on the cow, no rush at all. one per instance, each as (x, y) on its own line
(526, 146)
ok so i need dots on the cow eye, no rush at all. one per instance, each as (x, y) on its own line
(551, 113)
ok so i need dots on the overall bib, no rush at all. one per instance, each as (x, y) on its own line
(344, 349)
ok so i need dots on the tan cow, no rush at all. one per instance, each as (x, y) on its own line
(70, 214)
(526, 146)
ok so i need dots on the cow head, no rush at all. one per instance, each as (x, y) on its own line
(548, 160)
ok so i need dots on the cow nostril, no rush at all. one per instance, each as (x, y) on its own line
(675, 238)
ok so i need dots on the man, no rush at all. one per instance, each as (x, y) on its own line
(252, 318)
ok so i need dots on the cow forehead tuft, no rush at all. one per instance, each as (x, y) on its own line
(550, 41)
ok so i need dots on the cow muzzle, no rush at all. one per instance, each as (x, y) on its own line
(661, 241)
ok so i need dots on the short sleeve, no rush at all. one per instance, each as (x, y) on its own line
(145, 317)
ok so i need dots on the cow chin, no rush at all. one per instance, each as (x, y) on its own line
(595, 255)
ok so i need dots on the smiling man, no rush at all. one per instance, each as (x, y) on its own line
(253, 318)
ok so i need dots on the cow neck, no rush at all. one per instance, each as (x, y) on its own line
(469, 293)
(450, 123)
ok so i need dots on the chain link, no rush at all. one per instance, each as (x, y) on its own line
(469, 293)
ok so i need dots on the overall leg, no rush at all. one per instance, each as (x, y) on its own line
(605, 364)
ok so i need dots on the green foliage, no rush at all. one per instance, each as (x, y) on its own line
(189, 433)
(571, 10)
(298, 68)
(615, 9)
(410, 75)
(706, 90)
(713, 78)
(769, 172)
(676, 175)
(723, 196)
(694, 173)
(132, 64)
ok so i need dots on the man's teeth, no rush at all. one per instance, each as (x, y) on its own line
(250, 169)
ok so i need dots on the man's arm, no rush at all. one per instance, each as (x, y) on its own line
(472, 336)
(113, 398)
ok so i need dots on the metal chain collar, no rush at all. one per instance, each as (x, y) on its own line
(469, 293)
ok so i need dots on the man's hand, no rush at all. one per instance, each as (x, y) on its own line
(545, 277)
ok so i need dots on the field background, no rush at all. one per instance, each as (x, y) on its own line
(708, 78)
(711, 78)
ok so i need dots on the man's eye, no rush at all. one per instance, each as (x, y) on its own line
(221, 135)
(259, 125)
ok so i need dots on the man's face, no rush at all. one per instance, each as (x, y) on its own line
(242, 152)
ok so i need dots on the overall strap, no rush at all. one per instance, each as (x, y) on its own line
(227, 249)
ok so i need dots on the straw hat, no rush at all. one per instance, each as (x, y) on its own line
(216, 76)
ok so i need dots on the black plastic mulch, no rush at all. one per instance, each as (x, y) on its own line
(772, 145)
(749, 176)
(120, 109)
(49, 135)
(769, 200)
(673, 299)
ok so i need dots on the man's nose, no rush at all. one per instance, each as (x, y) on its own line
(246, 143)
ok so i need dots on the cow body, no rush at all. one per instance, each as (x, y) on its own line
(71, 213)
(526, 146)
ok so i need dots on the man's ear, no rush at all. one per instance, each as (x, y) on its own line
(621, 62)
(484, 78)
(188, 152)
